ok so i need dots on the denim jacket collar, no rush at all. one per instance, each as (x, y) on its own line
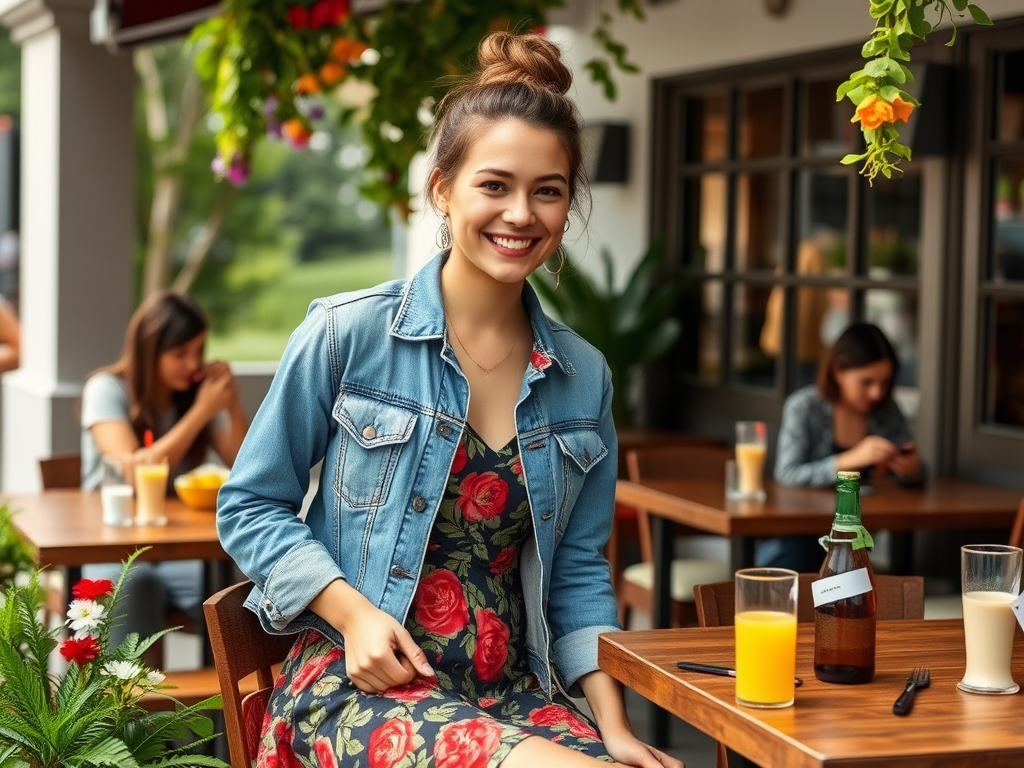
(421, 314)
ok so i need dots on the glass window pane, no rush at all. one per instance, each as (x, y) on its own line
(705, 222)
(707, 129)
(822, 211)
(1004, 388)
(750, 363)
(758, 219)
(893, 220)
(895, 312)
(827, 130)
(761, 129)
(1010, 102)
(701, 352)
(821, 315)
(1008, 242)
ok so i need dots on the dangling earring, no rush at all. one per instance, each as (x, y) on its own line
(444, 235)
(560, 252)
(566, 227)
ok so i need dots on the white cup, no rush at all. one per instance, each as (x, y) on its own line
(116, 490)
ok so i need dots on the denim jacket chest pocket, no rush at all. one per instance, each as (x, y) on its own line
(371, 438)
(581, 451)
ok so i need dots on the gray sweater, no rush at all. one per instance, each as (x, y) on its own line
(806, 451)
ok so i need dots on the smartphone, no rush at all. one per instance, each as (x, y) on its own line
(906, 449)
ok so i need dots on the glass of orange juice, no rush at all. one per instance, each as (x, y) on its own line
(751, 447)
(766, 637)
(150, 488)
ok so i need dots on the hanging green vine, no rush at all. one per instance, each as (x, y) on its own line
(269, 64)
(877, 90)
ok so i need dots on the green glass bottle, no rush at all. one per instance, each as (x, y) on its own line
(844, 596)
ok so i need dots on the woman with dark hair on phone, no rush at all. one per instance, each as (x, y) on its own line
(160, 384)
(847, 421)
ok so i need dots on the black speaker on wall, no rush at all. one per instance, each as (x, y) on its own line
(10, 174)
(607, 152)
(930, 128)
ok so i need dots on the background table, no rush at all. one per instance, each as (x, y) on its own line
(833, 725)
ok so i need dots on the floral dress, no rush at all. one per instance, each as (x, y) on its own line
(468, 616)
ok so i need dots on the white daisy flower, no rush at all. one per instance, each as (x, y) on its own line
(123, 670)
(155, 678)
(84, 614)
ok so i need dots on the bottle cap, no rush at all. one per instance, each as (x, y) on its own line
(849, 475)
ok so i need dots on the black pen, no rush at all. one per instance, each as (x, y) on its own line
(710, 669)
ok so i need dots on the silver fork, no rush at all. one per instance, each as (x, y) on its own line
(919, 678)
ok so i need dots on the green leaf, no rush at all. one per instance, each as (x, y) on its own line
(979, 16)
(960, 5)
(848, 159)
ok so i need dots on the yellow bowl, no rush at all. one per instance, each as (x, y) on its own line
(198, 489)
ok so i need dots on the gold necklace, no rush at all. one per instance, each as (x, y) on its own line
(487, 371)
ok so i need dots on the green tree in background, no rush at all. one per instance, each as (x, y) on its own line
(10, 76)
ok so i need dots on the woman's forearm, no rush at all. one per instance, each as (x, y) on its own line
(604, 695)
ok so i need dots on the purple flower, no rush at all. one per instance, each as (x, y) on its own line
(270, 106)
(238, 172)
(315, 112)
(274, 130)
(217, 166)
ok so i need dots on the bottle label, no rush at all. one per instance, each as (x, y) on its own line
(1018, 609)
(841, 586)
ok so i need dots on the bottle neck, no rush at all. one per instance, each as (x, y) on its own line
(847, 506)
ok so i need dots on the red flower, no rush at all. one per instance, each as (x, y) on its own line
(313, 668)
(482, 496)
(461, 458)
(281, 754)
(80, 651)
(390, 743)
(553, 715)
(486, 701)
(505, 560)
(581, 728)
(539, 360)
(339, 11)
(517, 466)
(321, 15)
(467, 744)
(324, 752)
(89, 589)
(298, 17)
(417, 690)
(440, 603)
(491, 644)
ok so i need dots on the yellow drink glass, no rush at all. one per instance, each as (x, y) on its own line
(150, 490)
(766, 637)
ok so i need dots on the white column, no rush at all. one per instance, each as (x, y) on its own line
(77, 203)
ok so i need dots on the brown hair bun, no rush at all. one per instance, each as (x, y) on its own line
(507, 58)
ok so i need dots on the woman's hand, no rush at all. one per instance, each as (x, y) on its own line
(869, 452)
(627, 749)
(217, 391)
(906, 464)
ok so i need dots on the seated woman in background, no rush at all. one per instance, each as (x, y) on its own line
(847, 421)
(161, 383)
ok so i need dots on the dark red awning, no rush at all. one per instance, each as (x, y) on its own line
(123, 23)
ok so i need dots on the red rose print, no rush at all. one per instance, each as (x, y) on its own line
(280, 755)
(505, 560)
(299, 645)
(549, 715)
(581, 728)
(324, 752)
(482, 496)
(461, 458)
(313, 668)
(440, 603)
(89, 589)
(517, 466)
(491, 644)
(390, 743)
(467, 744)
(539, 360)
(486, 701)
(80, 651)
(417, 690)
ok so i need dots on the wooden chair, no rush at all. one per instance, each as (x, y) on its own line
(62, 470)
(635, 589)
(897, 597)
(240, 649)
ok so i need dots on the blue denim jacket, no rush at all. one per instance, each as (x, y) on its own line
(369, 383)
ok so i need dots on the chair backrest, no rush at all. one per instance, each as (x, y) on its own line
(62, 470)
(1017, 534)
(671, 462)
(897, 597)
(240, 648)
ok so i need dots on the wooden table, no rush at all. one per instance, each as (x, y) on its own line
(65, 528)
(833, 725)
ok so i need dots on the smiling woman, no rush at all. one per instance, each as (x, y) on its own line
(453, 547)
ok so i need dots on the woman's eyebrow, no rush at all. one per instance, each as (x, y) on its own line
(509, 175)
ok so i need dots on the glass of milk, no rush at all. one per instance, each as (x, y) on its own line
(991, 581)
(116, 489)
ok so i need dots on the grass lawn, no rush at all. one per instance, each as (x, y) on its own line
(282, 305)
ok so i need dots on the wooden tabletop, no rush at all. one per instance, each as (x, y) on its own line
(833, 725)
(66, 528)
(942, 503)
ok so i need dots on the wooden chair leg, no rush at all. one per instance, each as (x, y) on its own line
(721, 755)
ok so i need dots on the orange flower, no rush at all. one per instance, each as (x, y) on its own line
(901, 109)
(297, 131)
(873, 112)
(345, 50)
(331, 74)
(307, 83)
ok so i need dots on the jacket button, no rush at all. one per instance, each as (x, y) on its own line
(444, 429)
(369, 432)
(400, 573)
(419, 503)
